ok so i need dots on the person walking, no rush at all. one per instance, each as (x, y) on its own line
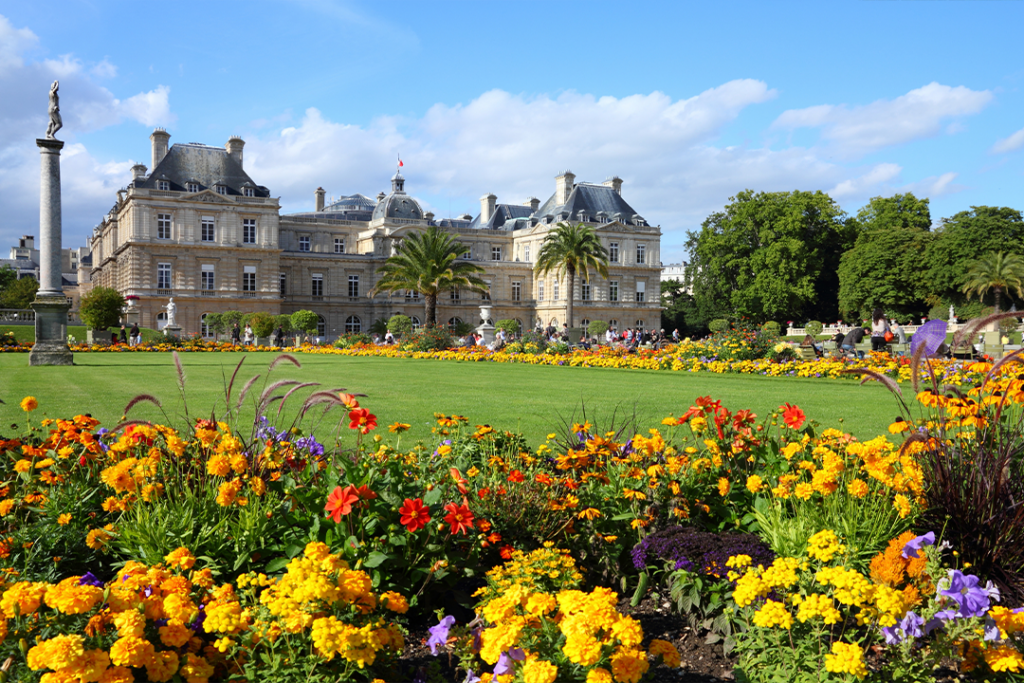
(236, 335)
(124, 335)
(134, 335)
(279, 336)
(248, 335)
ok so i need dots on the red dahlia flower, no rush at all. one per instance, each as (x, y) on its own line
(340, 502)
(459, 518)
(793, 416)
(415, 515)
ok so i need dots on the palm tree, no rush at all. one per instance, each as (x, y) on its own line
(570, 249)
(428, 262)
(996, 271)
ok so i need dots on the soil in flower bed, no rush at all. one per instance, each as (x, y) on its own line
(702, 663)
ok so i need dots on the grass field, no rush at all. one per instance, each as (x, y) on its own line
(533, 399)
(27, 333)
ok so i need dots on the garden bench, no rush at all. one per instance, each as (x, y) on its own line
(806, 353)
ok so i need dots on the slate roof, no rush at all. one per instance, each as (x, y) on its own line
(202, 164)
(452, 223)
(505, 217)
(591, 199)
(398, 204)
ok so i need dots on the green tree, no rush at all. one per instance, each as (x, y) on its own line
(8, 276)
(678, 311)
(215, 323)
(400, 325)
(883, 268)
(770, 256)
(510, 326)
(305, 321)
(997, 272)
(19, 293)
(284, 321)
(428, 262)
(101, 308)
(262, 324)
(963, 239)
(570, 249)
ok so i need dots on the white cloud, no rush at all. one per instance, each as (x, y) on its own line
(148, 108)
(1010, 144)
(104, 69)
(14, 42)
(859, 187)
(858, 130)
(934, 186)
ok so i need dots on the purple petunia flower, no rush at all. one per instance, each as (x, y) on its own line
(471, 677)
(992, 591)
(991, 630)
(963, 590)
(89, 579)
(504, 665)
(911, 625)
(892, 635)
(439, 633)
(912, 546)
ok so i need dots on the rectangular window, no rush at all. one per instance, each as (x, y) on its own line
(192, 187)
(249, 278)
(353, 285)
(468, 255)
(163, 185)
(221, 189)
(163, 276)
(554, 290)
(495, 253)
(641, 253)
(540, 290)
(339, 245)
(208, 230)
(526, 253)
(454, 294)
(613, 291)
(318, 284)
(584, 290)
(283, 281)
(304, 243)
(207, 277)
(517, 291)
(412, 294)
(641, 291)
(249, 192)
(163, 226)
(613, 252)
(248, 231)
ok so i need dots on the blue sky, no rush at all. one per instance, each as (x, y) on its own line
(688, 102)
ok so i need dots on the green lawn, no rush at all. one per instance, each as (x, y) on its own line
(533, 399)
(27, 333)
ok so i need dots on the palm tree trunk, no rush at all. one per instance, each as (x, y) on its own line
(568, 302)
(999, 293)
(430, 310)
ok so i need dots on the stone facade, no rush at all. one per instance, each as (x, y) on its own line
(198, 229)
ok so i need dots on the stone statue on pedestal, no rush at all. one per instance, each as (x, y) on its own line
(55, 121)
(172, 309)
(952, 314)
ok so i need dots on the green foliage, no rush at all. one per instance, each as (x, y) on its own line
(570, 249)
(350, 339)
(995, 271)
(19, 293)
(379, 326)
(101, 307)
(680, 311)
(262, 324)
(814, 327)
(232, 317)
(8, 276)
(771, 255)
(436, 338)
(883, 268)
(598, 328)
(510, 326)
(773, 328)
(462, 328)
(216, 323)
(966, 237)
(705, 602)
(400, 325)
(428, 262)
(305, 321)
(719, 325)
(284, 322)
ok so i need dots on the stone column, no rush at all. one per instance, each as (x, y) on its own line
(50, 306)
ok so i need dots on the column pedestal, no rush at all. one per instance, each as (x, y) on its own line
(172, 332)
(51, 347)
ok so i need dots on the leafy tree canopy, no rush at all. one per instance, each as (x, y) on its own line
(19, 293)
(770, 256)
(262, 323)
(8, 276)
(964, 238)
(305, 321)
(101, 308)
(883, 269)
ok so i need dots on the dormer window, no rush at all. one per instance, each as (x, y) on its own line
(222, 189)
(584, 218)
(163, 185)
(192, 187)
(602, 216)
(249, 192)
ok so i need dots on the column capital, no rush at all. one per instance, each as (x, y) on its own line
(53, 145)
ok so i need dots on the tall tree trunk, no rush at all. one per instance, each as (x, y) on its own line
(430, 310)
(568, 302)
(999, 294)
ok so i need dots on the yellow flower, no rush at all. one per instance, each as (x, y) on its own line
(754, 483)
(723, 486)
(29, 403)
(846, 658)
(64, 519)
(772, 614)
(539, 671)
(857, 488)
(824, 545)
(901, 503)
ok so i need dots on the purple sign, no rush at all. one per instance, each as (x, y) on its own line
(932, 334)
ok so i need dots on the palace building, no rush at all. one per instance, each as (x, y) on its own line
(199, 229)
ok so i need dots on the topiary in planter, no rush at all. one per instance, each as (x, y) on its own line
(814, 328)
(719, 325)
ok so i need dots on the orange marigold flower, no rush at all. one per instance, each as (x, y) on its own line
(29, 403)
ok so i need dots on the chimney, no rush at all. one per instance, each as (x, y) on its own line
(533, 203)
(563, 187)
(615, 182)
(487, 207)
(380, 197)
(138, 171)
(159, 139)
(234, 148)
(429, 215)
(320, 193)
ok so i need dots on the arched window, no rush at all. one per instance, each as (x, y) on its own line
(415, 323)
(161, 320)
(585, 323)
(204, 329)
(640, 325)
(554, 322)
(453, 323)
(352, 324)
(321, 326)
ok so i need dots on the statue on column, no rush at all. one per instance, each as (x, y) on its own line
(172, 308)
(952, 314)
(55, 120)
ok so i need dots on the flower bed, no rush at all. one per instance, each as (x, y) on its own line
(221, 550)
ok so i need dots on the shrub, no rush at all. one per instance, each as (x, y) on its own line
(284, 322)
(101, 308)
(262, 324)
(772, 328)
(597, 328)
(814, 328)
(351, 339)
(232, 317)
(511, 327)
(379, 327)
(430, 339)
(400, 325)
(305, 321)
(534, 342)
(718, 325)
